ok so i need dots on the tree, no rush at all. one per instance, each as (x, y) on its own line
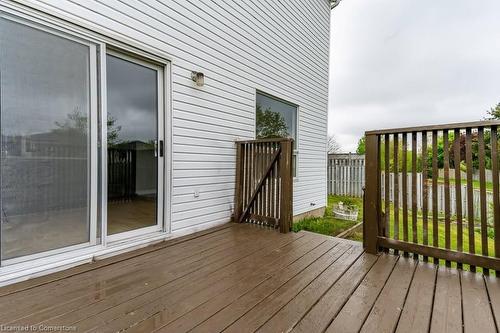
(361, 146)
(494, 113)
(333, 146)
(270, 124)
(76, 123)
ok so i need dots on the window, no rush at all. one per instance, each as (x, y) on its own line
(276, 118)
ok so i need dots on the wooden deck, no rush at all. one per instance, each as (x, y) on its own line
(242, 278)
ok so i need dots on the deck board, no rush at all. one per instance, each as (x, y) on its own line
(353, 315)
(417, 311)
(244, 278)
(386, 311)
(476, 305)
(447, 309)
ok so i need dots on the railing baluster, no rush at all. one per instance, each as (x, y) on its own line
(404, 180)
(458, 191)
(414, 208)
(496, 191)
(425, 194)
(396, 188)
(387, 201)
(470, 193)
(239, 181)
(482, 195)
(371, 215)
(447, 197)
(435, 175)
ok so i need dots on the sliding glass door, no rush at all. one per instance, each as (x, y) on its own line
(48, 120)
(81, 142)
(135, 145)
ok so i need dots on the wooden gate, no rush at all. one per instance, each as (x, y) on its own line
(264, 183)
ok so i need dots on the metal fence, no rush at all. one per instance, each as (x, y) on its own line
(346, 174)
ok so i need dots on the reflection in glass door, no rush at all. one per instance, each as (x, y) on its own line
(134, 144)
(47, 121)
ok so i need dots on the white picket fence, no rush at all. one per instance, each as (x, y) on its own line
(346, 174)
(440, 195)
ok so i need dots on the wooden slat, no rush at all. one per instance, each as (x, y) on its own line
(417, 311)
(371, 199)
(354, 312)
(396, 187)
(286, 202)
(447, 197)
(435, 175)
(385, 313)
(414, 210)
(327, 308)
(447, 309)
(459, 257)
(470, 193)
(476, 307)
(404, 180)
(496, 191)
(482, 195)
(238, 202)
(425, 193)
(458, 190)
(387, 201)
(493, 287)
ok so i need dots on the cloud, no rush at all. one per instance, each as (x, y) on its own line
(405, 63)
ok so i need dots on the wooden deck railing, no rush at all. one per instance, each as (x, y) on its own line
(264, 182)
(394, 159)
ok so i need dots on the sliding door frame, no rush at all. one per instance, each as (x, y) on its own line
(160, 225)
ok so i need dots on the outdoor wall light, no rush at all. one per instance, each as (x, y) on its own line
(198, 78)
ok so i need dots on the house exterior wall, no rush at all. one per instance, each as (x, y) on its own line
(277, 47)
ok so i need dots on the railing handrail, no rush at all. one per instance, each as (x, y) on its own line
(264, 140)
(429, 128)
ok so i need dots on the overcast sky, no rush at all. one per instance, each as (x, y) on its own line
(401, 63)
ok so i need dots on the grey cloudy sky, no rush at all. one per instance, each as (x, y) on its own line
(401, 63)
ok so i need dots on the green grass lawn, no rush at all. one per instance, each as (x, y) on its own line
(328, 224)
(475, 183)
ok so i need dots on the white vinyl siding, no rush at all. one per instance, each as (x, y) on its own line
(280, 47)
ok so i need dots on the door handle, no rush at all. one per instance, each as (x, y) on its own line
(161, 148)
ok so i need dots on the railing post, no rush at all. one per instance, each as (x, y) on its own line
(372, 196)
(238, 202)
(286, 193)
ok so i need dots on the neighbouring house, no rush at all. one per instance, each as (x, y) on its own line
(119, 119)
